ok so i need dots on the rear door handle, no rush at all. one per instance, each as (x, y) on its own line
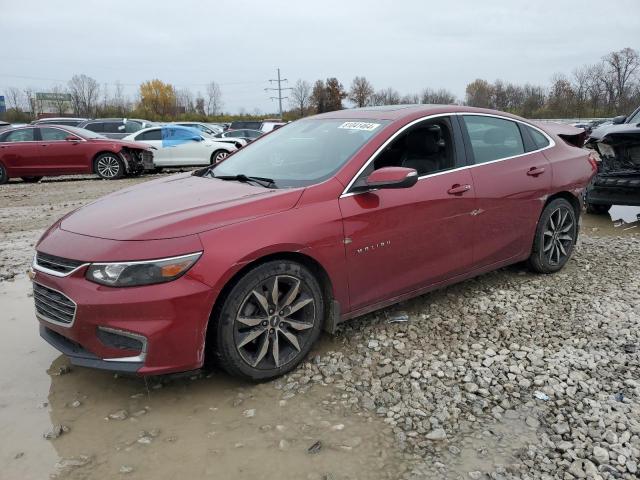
(535, 171)
(458, 189)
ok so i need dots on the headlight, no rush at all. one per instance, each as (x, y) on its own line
(146, 272)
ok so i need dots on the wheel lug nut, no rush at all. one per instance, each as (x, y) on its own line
(264, 324)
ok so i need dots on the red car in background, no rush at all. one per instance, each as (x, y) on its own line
(325, 219)
(32, 152)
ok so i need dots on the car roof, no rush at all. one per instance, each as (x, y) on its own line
(407, 112)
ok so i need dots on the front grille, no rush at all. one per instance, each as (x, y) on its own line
(57, 264)
(53, 306)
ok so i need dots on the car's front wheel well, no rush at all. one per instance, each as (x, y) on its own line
(310, 263)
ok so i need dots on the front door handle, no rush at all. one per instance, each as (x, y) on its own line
(458, 189)
(535, 171)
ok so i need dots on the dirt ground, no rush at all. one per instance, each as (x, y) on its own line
(193, 426)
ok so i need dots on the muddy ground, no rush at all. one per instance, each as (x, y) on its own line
(211, 426)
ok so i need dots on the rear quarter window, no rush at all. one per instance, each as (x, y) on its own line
(538, 138)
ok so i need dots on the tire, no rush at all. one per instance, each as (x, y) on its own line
(555, 237)
(108, 166)
(31, 179)
(218, 156)
(253, 340)
(4, 177)
(596, 209)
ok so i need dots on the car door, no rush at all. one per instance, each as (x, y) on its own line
(20, 152)
(187, 146)
(162, 157)
(61, 155)
(510, 186)
(403, 240)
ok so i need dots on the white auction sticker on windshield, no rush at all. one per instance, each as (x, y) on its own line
(368, 127)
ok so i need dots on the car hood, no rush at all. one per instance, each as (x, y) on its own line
(121, 143)
(176, 206)
(624, 128)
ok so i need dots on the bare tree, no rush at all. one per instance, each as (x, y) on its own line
(184, 100)
(60, 100)
(84, 92)
(30, 100)
(14, 99)
(622, 67)
(361, 91)
(437, 97)
(388, 96)
(300, 97)
(410, 99)
(214, 99)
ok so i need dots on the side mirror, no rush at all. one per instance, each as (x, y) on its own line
(71, 138)
(618, 120)
(391, 177)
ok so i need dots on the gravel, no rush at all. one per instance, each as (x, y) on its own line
(508, 376)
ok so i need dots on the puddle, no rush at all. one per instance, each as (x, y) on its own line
(193, 426)
(620, 220)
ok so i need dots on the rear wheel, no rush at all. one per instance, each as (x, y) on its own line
(4, 177)
(597, 209)
(555, 237)
(218, 156)
(109, 166)
(268, 321)
(31, 179)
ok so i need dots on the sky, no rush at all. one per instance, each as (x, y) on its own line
(405, 44)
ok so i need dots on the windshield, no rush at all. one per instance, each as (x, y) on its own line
(301, 153)
(635, 118)
(84, 133)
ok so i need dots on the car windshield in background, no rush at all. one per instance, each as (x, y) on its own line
(303, 153)
(84, 133)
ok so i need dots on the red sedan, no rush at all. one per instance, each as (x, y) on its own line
(32, 152)
(325, 219)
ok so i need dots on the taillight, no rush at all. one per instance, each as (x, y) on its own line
(594, 160)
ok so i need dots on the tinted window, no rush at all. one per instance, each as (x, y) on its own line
(95, 126)
(493, 138)
(23, 135)
(132, 126)
(52, 134)
(150, 135)
(538, 138)
(113, 127)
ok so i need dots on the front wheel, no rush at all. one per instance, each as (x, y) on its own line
(4, 177)
(218, 156)
(109, 166)
(555, 237)
(595, 209)
(268, 321)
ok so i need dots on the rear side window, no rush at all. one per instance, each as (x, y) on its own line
(24, 135)
(113, 127)
(53, 134)
(132, 126)
(538, 138)
(95, 127)
(150, 135)
(493, 138)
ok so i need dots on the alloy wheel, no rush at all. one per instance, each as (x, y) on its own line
(557, 237)
(274, 322)
(221, 156)
(108, 167)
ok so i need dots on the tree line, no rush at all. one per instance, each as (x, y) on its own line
(609, 87)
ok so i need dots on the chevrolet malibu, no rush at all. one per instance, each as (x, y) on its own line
(243, 263)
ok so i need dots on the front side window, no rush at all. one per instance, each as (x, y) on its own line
(53, 134)
(493, 138)
(150, 135)
(95, 127)
(426, 147)
(23, 135)
(304, 153)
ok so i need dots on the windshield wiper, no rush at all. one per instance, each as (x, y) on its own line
(241, 177)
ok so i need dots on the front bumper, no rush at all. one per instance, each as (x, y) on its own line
(166, 324)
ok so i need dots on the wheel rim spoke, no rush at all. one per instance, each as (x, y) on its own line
(302, 302)
(276, 349)
(298, 325)
(251, 321)
(291, 296)
(262, 300)
(292, 339)
(264, 348)
(274, 292)
(252, 335)
(561, 248)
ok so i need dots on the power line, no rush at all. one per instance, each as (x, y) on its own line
(279, 90)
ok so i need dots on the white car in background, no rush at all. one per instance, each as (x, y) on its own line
(177, 146)
(210, 131)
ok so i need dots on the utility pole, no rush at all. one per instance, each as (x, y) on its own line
(279, 90)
